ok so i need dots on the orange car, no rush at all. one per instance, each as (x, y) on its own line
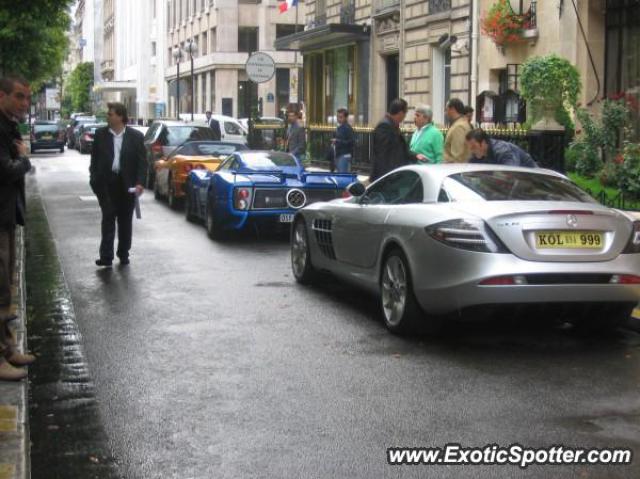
(172, 171)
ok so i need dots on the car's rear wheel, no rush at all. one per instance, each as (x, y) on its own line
(603, 318)
(214, 228)
(400, 309)
(303, 270)
(173, 200)
(188, 214)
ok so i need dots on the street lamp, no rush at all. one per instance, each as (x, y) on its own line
(177, 55)
(191, 48)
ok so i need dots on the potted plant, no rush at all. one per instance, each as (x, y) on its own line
(503, 25)
(551, 85)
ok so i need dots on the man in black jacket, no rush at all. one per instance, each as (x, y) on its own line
(14, 164)
(390, 149)
(116, 175)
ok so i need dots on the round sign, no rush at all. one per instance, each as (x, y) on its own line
(260, 67)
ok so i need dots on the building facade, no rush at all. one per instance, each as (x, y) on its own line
(361, 54)
(225, 32)
(132, 63)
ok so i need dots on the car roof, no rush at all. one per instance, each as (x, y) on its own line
(441, 171)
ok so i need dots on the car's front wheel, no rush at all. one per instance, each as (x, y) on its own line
(400, 309)
(301, 266)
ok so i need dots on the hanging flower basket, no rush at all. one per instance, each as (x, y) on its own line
(504, 26)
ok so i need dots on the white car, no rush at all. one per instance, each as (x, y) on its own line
(230, 129)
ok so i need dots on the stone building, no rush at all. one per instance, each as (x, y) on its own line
(225, 32)
(363, 53)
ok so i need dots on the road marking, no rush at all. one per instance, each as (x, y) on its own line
(88, 198)
(7, 471)
(8, 418)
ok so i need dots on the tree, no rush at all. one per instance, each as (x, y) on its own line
(33, 39)
(79, 86)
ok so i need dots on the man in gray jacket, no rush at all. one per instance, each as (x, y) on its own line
(296, 140)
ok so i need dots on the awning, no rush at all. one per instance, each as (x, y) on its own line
(114, 86)
(333, 34)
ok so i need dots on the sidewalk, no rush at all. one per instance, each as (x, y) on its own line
(14, 412)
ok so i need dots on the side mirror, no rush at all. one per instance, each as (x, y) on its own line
(356, 189)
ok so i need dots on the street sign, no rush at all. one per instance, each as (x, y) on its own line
(260, 67)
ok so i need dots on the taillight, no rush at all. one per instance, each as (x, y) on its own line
(624, 279)
(633, 246)
(242, 198)
(467, 234)
(504, 281)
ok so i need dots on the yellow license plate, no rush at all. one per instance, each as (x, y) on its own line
(47, 137)
(569, 240)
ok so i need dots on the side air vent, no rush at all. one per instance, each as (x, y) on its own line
(324, 237)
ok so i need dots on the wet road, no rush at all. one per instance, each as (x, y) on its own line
(207, 360)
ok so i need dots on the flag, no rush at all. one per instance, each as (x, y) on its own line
(286, 5)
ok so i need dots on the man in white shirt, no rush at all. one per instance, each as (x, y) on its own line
(117, 167)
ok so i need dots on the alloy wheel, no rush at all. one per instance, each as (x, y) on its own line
(299, 250)
(394, 290)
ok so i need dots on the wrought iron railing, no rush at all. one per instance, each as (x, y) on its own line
(437, 6)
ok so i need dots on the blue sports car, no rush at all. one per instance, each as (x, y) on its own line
(259, 188)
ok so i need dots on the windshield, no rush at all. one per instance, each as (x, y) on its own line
(515, 185)
(208, 149)
(268, 160)
(179, 134)
(41, 128)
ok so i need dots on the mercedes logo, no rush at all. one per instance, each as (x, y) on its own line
(296, 198)
(572, 221)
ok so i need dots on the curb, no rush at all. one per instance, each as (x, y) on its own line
(14, 410)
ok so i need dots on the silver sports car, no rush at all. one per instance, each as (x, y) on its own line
(438, 239)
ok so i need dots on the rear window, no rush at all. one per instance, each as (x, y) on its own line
(513, 186)
(41, 128)
(267, 161)
(179, 134)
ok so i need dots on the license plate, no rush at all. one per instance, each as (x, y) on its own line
(569, 240)
(286, 218)
(47, 137)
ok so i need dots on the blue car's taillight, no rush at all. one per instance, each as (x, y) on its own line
(242, 198)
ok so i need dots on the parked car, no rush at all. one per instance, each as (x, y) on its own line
(86, 134)
(141, 129)
(165, 135)
(439, 239)
(71, 135)
(227, 128)
(47, 135)
(264, 188)
(172, 172)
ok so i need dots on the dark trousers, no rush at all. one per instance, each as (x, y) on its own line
(7, 280)
(117, 206)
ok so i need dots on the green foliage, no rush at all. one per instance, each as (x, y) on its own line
(599, 138)
(79, 86)
(628, 177)
(551, 80)
(33, 39)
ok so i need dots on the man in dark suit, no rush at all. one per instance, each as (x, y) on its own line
(390, 149)
(15, 97)
(116, 176)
